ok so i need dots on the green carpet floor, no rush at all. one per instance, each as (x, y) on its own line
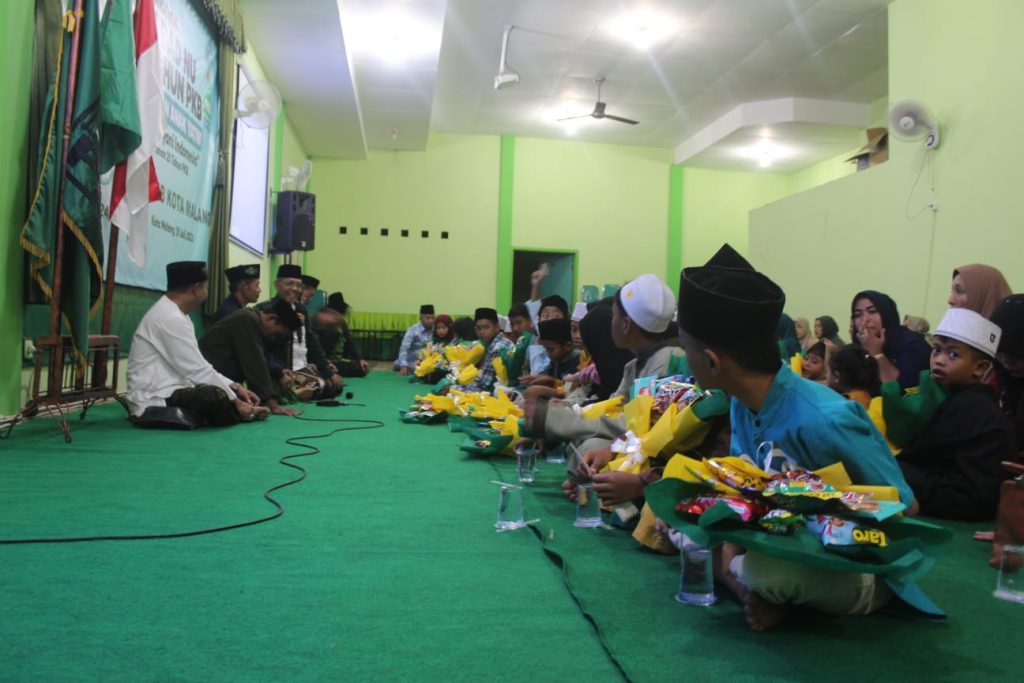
(386, 566)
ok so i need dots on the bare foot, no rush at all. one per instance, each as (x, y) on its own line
(761, 614)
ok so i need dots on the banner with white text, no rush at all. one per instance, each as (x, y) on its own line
(186, 159)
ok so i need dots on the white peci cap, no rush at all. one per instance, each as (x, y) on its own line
(648, 302)
(971, 328)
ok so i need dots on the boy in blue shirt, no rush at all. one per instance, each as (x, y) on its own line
(728, 314)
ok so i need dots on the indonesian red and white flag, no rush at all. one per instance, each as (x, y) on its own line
(135, 181)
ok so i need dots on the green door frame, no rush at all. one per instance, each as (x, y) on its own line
(507, 294)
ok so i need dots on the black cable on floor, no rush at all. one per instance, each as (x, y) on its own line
(559, 561)
(293, 441)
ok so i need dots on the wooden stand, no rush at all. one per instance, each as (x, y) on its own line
(65, 390)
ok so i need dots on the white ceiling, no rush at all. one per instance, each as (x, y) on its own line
(719, 57)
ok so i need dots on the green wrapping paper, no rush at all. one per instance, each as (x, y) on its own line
(479, 431)
(462, 423)
(912, 548)
(413, 417)
(495, 445)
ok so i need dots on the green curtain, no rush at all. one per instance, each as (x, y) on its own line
(217, 257)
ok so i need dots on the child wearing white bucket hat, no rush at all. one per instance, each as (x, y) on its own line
(953, 466)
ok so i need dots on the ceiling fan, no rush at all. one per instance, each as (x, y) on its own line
(599, 110)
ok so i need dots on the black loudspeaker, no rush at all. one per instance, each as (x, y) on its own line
(296, 221)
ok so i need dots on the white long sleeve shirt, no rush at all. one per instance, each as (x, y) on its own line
(165, 357)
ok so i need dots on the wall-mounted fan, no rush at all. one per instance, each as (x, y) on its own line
(911, 120)
(600, 110)
(259, 103)
(298, 178)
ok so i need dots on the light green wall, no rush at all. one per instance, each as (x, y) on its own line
(716, 205)
(873, 229)
(837, 167)
(609, 202)
(452, 186)
(822, 172)
(16, 27)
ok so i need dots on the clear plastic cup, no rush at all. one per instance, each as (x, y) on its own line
(1010, 585)
(556, 455)
(510, 509)
(588, 507)
(696, 576)
(526, 460)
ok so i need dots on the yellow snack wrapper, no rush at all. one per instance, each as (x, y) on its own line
(466, 402)
(464, 356)
(508, 426)
(428, 365)
(497, 407)
(638, 415)
(681, 467)
(468, 374)
(440, 404)
(500, 371)
(878, 418)
(611, 407)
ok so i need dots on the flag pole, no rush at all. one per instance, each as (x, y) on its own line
(57, 369)
(99, 371)
(108, 285)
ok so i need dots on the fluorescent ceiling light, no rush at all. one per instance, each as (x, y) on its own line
(765, 153)
(392, 35)
(643, 29)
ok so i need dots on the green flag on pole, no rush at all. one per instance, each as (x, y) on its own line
(79, 208)
(121, 129)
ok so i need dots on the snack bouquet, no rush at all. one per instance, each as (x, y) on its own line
(463, 355)
(491, 438)
(816, 518)
(464, 404)
(431, 362)
(429, 409)
(668, 411)
(451, 364)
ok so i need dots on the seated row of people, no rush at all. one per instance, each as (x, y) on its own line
(250, 361)
(728, 325)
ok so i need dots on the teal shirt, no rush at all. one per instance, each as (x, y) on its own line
(812, 426)
(566, 366)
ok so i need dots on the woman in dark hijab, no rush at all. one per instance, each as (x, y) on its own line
(596, 330)
(1009, 315)
(901, 354)
(786, 333)
(825, 328)
(464, 330)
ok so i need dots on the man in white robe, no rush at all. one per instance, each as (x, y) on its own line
(165, 366)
